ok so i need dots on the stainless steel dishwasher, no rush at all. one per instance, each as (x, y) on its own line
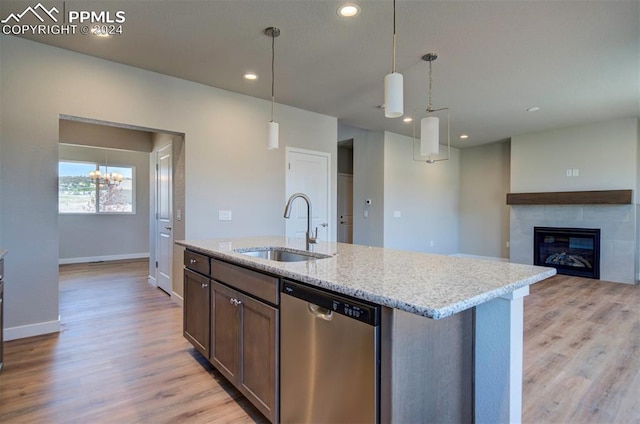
(329, 357)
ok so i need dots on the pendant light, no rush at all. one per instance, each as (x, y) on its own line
(273, 128)
(430, 125)
(393, 85)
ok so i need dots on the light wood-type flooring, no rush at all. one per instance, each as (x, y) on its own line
(121, 358)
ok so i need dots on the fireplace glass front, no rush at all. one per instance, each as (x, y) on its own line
(572, 251)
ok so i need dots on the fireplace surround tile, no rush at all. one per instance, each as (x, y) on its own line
(618, 224)
(563, 213)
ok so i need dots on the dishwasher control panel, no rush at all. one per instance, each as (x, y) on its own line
(359, 310)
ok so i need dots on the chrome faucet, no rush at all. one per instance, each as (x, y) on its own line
(310, 238)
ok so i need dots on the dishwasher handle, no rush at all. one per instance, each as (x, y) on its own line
(320, 312)
(366, 312)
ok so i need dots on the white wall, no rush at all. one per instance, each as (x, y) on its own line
(368, 183)
(426, 195)
(484, 214)
(226, 161)
(89, 237)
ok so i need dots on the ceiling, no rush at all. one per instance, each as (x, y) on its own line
(578, 61)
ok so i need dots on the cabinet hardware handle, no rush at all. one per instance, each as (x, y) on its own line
(235, 302)
(205, 285)
(193, 261)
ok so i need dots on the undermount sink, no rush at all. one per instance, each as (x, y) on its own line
(282, 255)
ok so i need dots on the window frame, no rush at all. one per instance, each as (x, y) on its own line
(98, 189)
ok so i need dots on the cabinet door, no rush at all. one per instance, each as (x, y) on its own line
(259, 355)
(225, 327)
(196, 315)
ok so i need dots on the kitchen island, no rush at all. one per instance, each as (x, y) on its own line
(427, 299)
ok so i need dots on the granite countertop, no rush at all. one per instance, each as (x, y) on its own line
(434, 286)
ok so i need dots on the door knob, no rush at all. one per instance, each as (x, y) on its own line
(167, 228)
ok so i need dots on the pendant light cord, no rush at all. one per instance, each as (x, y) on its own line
(430, 107)
(273, 59)
(393, 62)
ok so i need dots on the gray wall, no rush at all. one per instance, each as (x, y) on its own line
(92, 237)
(604, 152)
(345, 159)
(368, 183)
(92, 134)
(484, 214)
(426, 195)
(225, 134)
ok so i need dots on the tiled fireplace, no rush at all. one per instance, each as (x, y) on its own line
(617, 225)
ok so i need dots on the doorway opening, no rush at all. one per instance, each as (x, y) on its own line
(344, 217)
(100, 232)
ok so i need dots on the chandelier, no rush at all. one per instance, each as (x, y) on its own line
(109, 179)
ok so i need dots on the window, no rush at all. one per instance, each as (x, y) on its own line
(78, 194)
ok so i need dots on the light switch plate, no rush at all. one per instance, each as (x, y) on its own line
(397, 214)
(224, 215)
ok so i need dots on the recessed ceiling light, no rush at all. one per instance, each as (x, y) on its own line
(464, 136)
(250, 76)
(349, 10)
(407, 119)
(533, 109)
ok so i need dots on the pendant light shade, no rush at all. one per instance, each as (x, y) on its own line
(273, 130)
(393, 83)
(393, 87)
(429, 143)
(429, 135)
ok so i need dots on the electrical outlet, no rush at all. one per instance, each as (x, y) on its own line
(179, 214)
(575, 172)
(508, 244)
(366, 214)
(431, 243)
(397, 214)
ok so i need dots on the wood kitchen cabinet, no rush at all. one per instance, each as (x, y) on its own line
(231, 317)
(196, 313)
(244, 345)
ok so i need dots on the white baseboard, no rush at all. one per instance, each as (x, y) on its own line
(102, 258)
(38, 329)
(152, 281)
(488, 258)
(177, 298)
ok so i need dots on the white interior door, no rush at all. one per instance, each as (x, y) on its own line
(345, 208)
(164, 218)
(308, 172)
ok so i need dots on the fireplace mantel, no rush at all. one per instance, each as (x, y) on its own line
(599, 197)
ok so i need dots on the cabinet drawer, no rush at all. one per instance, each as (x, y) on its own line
(255, 283)
(196, 262)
